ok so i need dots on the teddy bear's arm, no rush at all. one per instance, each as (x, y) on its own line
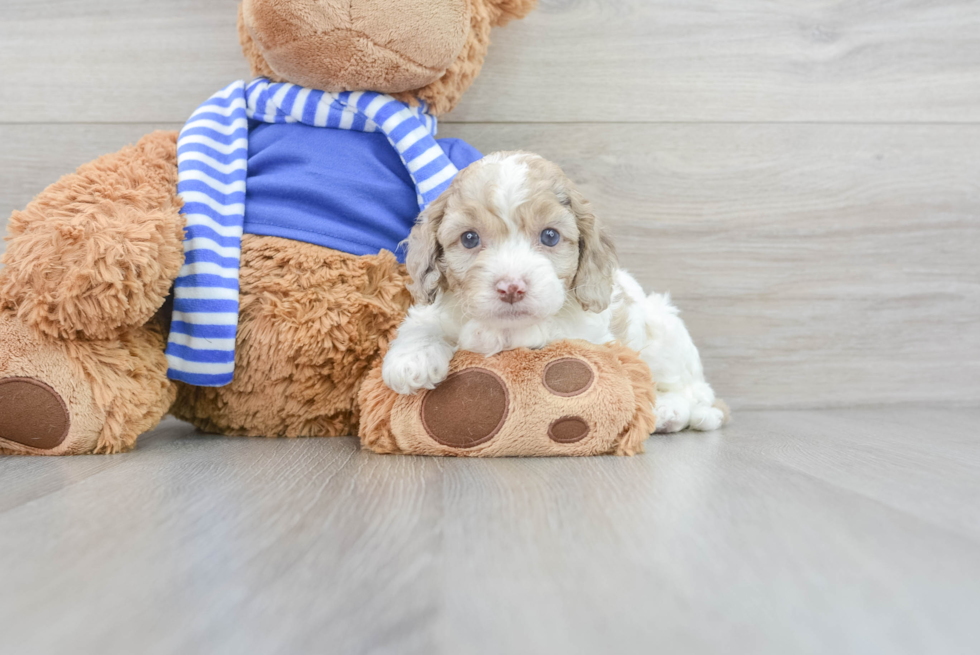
(98, 250)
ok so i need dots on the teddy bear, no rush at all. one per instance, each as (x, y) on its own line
(108, 271)
(570, 398)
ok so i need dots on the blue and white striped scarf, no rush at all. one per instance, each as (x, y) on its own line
(212, 156)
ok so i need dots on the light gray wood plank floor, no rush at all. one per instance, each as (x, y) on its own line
(843, 531)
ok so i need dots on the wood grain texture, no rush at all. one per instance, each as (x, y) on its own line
(841, 531)
(750, 60)
(110, 61)
(815, 264)
(571, 60)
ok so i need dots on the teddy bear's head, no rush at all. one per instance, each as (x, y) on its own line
(426, 49)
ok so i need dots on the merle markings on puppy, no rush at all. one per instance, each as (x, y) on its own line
(511, 255)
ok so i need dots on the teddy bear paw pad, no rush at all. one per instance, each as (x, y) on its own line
(467, 409)
(568, 377)
(568, 429)
(32, 414)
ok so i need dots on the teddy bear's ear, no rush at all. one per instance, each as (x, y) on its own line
(504, 11)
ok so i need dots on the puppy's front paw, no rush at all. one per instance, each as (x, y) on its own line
(408, 371)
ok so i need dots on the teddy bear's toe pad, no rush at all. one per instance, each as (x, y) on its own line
(32, 414)
(467, 409)
(568, 377)
(568, 429)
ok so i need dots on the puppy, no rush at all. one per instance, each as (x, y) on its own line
(512, 256)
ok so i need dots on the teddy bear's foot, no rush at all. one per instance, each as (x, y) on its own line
(571, 398)
(46, 408)
(32, 414)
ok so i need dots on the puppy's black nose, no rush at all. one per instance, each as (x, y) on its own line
(511, 291)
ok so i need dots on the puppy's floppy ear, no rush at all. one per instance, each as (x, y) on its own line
(597, 260)
(424, 253)
(504, 11)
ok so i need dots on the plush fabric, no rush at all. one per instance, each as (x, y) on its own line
(96, 252)
(113, 389)
(350, 45)
(516, 404)
(313, 322)
(213, 151)
(28, 356)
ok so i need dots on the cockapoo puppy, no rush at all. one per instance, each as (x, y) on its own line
(512, 256)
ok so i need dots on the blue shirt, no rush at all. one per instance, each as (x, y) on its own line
(342, 189)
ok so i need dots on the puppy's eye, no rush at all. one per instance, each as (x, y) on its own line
(470, 239)
(550, 237)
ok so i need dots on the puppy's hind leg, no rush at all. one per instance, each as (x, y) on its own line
(707, 412)
(676, 411)
(673, 412)
(709, 417)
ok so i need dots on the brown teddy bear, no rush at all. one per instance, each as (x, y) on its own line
(109, 270)
(570, 398)
(92, 260)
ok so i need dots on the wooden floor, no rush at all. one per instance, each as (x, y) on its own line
(833, 531)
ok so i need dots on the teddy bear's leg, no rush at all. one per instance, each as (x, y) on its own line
(70, 397)
(88, 264)
(312, 322)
